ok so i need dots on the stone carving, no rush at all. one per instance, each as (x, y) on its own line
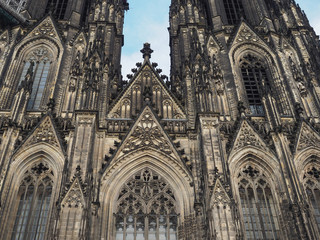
(307, 138)
(45, 28)
(44, 133)
(246, 34)
(220, 196)
(247, 136)
(74, 197)
(147, 133)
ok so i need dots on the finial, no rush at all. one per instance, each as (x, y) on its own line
(146, 51)
(51, 104)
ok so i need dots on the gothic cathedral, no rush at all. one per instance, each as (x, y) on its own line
(226, 147)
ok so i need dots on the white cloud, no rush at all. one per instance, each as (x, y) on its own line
(157, 35)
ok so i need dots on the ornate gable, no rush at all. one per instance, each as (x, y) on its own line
(147, 132)
(4, 38)
(307, 137)
(74, 197)
(148, 135)
(146, 83)
(44, 133)
(219, 194)
(79, 39)
(246, 34)
(45, 28)
(247, 136)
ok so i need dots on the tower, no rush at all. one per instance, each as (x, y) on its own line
(227, 147)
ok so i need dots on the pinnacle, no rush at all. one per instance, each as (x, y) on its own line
(146, 51)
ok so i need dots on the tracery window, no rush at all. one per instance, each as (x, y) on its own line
(16, 5)
(38, 62)
(257, 205)
(311, 180)
(32, 203)
(58, 7)
(146, 209)
(234, 10)
(255, 81)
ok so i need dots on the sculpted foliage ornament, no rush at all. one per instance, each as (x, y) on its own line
(44, 133)
(246, 137)
(74, 197)
(246, 34)
(308, 138)
(45, 28)
(220, 195)
(147, 133)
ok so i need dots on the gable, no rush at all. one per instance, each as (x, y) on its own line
(133, 98)
(147, 132)
(44, 132)
(4, 38)
(219, 194)
(74, 197)
(245, 34)
(307, 137)
(247, 136)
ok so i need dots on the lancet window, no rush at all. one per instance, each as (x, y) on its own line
(38, 64)
(234, 10)
(58, 7)
(32, 204)
(255, 82)
(257, 204)
(146, 209)
(311, 180)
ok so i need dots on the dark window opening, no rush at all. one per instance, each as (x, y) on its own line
(234, 11)
(57, 7)
(255, 82)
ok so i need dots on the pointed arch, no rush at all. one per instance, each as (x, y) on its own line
(255, 184)
(307, 164)
(179, 180)
(246, 42)
(31, 188)
(45, 68)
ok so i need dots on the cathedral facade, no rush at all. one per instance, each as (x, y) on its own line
(226, 147)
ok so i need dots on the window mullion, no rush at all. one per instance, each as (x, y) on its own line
(124, 226)
(270, 208)
(259, 214)
(250, 212)
(23, 211)
(30, 217)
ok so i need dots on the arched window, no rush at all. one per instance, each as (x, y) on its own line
(311, 181)
(33, 203)
(146, 209)
(234, 10)
(58, 7)
(255, 81)
(38, 62)
(257, 205)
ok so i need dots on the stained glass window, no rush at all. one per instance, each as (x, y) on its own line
(312, 186)
(146, 209)
(39, 62)
(33, 203)
(257, 206)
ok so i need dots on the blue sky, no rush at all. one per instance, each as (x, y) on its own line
(148, 20)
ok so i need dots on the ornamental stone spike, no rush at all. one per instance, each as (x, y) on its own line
(146, 51)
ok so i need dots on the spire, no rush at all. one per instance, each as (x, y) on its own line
(146, 51)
